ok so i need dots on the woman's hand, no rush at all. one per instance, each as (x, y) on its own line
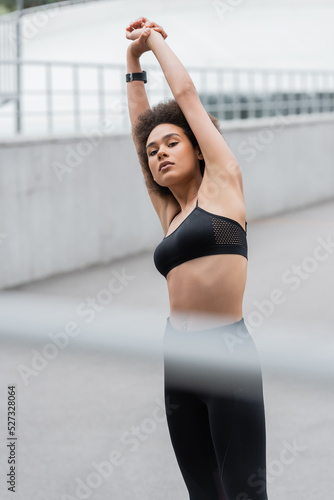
(134, 28)
(139, 31)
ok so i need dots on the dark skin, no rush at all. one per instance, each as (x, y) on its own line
(207, 291)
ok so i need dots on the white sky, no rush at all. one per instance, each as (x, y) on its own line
(233, 33)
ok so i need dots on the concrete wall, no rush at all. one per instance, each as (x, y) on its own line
(287, 162)
(70, 202)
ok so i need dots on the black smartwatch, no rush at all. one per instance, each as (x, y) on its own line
(131, 77)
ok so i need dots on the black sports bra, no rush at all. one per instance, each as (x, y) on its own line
(201, 233)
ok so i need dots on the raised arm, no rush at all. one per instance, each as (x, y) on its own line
(137, 99)
(217, 155)
(139, 32)
(138, 103)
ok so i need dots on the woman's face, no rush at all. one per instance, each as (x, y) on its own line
(168, 144)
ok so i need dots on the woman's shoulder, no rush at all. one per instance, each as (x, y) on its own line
(166, 207)
(227, 201)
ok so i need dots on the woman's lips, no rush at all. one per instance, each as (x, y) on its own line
(165, 166)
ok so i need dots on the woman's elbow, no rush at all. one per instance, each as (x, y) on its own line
(184, 90)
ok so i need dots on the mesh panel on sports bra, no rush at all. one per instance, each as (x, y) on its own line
(226, 233)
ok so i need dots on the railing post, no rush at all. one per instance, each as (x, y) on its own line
(220, 97)
(19, 6)
(101, 94)
(76, 103)
(49, 98)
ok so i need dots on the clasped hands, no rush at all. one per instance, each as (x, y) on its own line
(138, 31)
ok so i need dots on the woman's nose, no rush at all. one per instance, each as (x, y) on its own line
(161, 153)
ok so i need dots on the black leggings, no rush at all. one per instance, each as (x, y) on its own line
(215, 411)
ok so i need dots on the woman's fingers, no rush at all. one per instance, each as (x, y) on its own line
(137, 33)
(161, 30)
(157, 27)
(140, 22)
(133, 34)
(143, 22)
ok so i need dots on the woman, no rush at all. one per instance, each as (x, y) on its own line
(215, 416)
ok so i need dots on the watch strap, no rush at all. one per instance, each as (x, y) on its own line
(131, 77)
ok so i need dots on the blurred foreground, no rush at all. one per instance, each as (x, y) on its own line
(91, 420)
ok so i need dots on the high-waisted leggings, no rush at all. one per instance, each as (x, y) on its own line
(215, 411)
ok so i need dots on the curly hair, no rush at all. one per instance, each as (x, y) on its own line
(167, 111)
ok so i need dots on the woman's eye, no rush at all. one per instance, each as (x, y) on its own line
(170, 144)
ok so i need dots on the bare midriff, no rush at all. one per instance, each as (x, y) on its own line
(207, 292)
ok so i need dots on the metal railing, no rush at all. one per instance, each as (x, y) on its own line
(67, 97)
(45, 6)
(8, 51)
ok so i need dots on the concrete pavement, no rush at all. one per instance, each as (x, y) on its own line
(91, 423)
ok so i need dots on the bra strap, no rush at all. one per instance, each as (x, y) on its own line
(196, 203)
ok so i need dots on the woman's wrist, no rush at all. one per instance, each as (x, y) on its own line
(155, 37)
(133, 61)
(132, 53)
